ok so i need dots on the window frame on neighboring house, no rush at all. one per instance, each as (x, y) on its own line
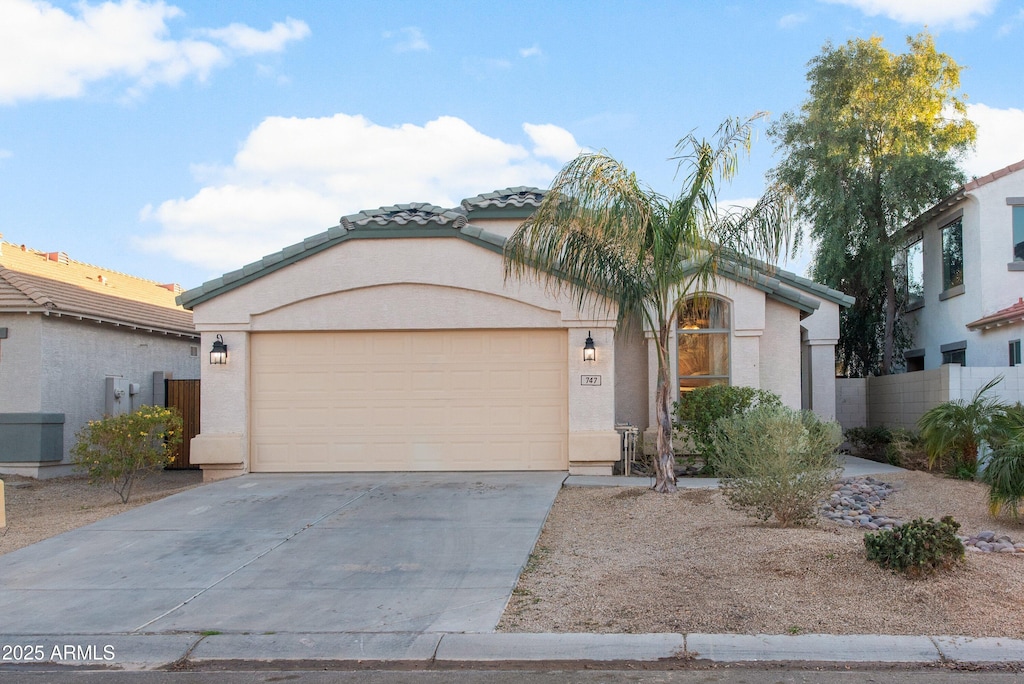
(914, 360)
(704, 337)
(1014, 347)
(1016, 233)
(952, 277)
(913, 265)
(954, 352)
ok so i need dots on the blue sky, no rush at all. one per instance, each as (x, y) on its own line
(179, 140)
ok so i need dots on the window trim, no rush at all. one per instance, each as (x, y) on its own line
(1014, 349)
(951, 290)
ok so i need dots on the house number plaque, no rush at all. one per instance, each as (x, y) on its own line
(590, 379)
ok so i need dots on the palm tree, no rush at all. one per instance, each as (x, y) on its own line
(960, 426)
(608, 241)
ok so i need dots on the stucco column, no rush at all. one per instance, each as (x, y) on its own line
(822, 365)
(222, 446)
(593, 441)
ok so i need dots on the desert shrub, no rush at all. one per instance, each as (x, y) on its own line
(1004, 475)
(699, 410)
(776, 462)
(917, 548)
(123, 449)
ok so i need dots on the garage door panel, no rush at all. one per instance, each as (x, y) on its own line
(425, 400)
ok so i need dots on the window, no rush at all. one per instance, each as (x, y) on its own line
(1018, 233)
(703, 352)
(915, 274)
(954, 352)
(953, 255)
(1014, 352)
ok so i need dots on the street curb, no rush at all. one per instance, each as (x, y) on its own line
(154, 651)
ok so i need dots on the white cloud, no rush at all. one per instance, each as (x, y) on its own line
(999, 140)
(792, 20)
(49, 53)
(552, 141)
(408, 39)
(956, 13)
(248, 40)
(6, 154)
(532, 51)
(294, 177)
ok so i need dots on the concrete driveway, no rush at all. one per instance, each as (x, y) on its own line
(402, 552)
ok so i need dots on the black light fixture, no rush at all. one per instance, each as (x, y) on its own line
(219, 353)
(589, 350)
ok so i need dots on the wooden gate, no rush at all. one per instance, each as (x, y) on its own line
(184, 396)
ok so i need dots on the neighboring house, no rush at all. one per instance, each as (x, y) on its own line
(965, 278)
(393, 341)
(78, 341)
(965, 274)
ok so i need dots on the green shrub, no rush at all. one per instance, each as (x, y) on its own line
(959, 427)
(1004, 475)
(699, 410)
(917, 548)
(776, 462)
(871, 443)
(122, 449)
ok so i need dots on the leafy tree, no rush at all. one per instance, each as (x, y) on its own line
(610, 242)
(875, 144)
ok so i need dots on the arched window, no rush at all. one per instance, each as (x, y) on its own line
(703, 352)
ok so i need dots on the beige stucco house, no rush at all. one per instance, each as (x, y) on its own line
(78, 341)
(393, 341)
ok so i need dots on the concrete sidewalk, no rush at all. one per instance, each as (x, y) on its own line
(852, 467)
(201, 651)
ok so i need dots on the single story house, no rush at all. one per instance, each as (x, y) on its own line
(393, 341)
(76, 342)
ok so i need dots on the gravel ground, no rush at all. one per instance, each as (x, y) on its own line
(631, 560)
(37, 509)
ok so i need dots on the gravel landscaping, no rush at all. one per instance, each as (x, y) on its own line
(38, 509)
(631, 560)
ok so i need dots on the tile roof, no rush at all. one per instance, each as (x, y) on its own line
(1009, 315)
(519, 196)
(961, 194)
(52, 283)
(427, 220)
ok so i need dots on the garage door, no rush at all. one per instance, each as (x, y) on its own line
(422, 400)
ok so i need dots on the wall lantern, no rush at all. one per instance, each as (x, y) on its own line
(589, 351)
(219, 353)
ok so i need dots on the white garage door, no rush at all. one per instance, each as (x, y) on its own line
(421, 400)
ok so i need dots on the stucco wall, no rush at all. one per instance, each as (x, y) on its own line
(20, 359)
(78, 356)
(780, 349)
(631, 400)
(989, 285)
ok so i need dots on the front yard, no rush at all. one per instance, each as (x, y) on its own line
(630, 560)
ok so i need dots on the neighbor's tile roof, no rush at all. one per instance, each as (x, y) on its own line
(52, 283)
(960, 195)
(1011, 314)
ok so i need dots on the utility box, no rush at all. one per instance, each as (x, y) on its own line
(116, 399)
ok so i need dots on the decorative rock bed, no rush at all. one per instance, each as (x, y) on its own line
(854, 502)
